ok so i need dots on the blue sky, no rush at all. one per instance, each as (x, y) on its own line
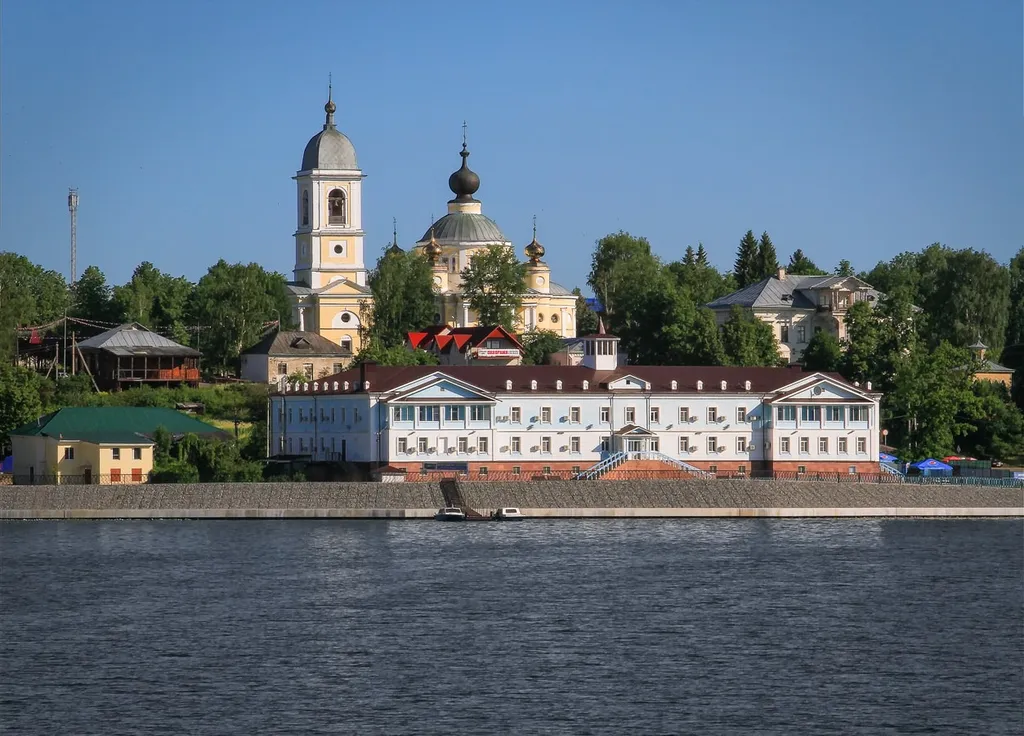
(848, 129)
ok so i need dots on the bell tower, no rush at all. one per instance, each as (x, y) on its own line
(329, 209)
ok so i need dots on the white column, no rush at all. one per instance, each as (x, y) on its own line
(302, 319)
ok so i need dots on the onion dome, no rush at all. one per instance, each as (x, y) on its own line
(464, 182)
(534, 251)
(432, 249)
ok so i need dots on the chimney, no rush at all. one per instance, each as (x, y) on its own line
(364, 368)
(781, 275)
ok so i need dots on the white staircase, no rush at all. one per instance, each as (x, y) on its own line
(613, 461)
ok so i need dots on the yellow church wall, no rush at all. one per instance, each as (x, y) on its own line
(329, 258)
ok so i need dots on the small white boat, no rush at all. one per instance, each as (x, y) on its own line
(450, 513)
(508, 513)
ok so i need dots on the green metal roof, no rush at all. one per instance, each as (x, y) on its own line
(105, 424)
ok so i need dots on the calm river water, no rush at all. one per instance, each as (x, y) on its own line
(604, 627)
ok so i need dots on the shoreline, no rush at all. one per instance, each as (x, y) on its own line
(530, 513)
(609, 499)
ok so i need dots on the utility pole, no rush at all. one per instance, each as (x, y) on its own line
(73, 208)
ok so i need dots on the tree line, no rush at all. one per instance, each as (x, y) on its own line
(221, 314)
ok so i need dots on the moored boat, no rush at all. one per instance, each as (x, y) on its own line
(508, 513)
(450, 513)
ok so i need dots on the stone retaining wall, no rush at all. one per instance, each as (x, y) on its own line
(225, 496)
(547, 498)
(718, 493)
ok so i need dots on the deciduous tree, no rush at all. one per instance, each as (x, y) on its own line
(607, 277)
(748, 340)
(823, 353)
(403, 296)
(801, 265)
(493, 284)
(586, 318)
(538, 345)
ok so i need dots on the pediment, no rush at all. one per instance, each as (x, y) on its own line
(440, 387)
(342, 287)
(628, 383)
(820, 388)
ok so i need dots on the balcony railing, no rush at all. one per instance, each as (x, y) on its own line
(158, 374)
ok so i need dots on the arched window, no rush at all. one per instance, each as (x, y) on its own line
(336, 207)
(305, 207)
(346, 344)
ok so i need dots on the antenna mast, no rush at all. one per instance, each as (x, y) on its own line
(73, 208)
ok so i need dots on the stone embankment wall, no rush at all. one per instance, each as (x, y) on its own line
(225, 496)
(540, 498)
(733, 494)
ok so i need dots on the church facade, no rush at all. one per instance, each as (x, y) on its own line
(329, 291)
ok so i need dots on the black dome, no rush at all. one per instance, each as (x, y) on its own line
(464, 182)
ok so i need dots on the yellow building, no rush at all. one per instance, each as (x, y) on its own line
(990, 370)
(329, 292)
(95, 444)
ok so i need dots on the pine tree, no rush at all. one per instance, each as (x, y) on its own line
(768, 261)
(801, 264)
(747, 267)
(702, 255)
(689, 258)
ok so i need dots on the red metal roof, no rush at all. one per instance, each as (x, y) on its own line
(492, 378)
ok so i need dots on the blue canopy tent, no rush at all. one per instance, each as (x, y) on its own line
(7, 464)
(884, 457)
(933, 467)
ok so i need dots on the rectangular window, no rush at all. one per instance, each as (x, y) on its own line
(115, 475)
(332, 415)
(517, 445)
(428, 413)
(136, 475)
(741, 414)
(575, 468)
(784, 334)
(302, 415)
(823, 445)
(137, 453)
(654, 445)
(810, 413)
(741, 444)
(801, 469)
(546, 470)
(712, 414)
(784, 445)
(655, 415)
(404, 413)
(834, 413)
(606, 444)
(545, 444)
(355, 415)
(69, 453)
(801, 334)
(116, 453)
(742, 469)
(852, 470)
(858, 413)
(483, 470)
(282, 369)
(516, 470)
(454, 413)
(343, 415)
(712, 444)
(684, 444)
(574, 444)
(684, 414)
(515, 415)
(786, 413)
(574, 415)
(545, 415)
(403, 445)
(713, 468)
(463, 445)
(862, 446)
(630, 415)
(606, 415)
(481, 445)
(805, 445)
(337, 368)
(841, 445)
(307, 371)
(302, 444)
(421, 444)
(478, 413)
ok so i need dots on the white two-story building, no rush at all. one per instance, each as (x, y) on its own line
(557, 419)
